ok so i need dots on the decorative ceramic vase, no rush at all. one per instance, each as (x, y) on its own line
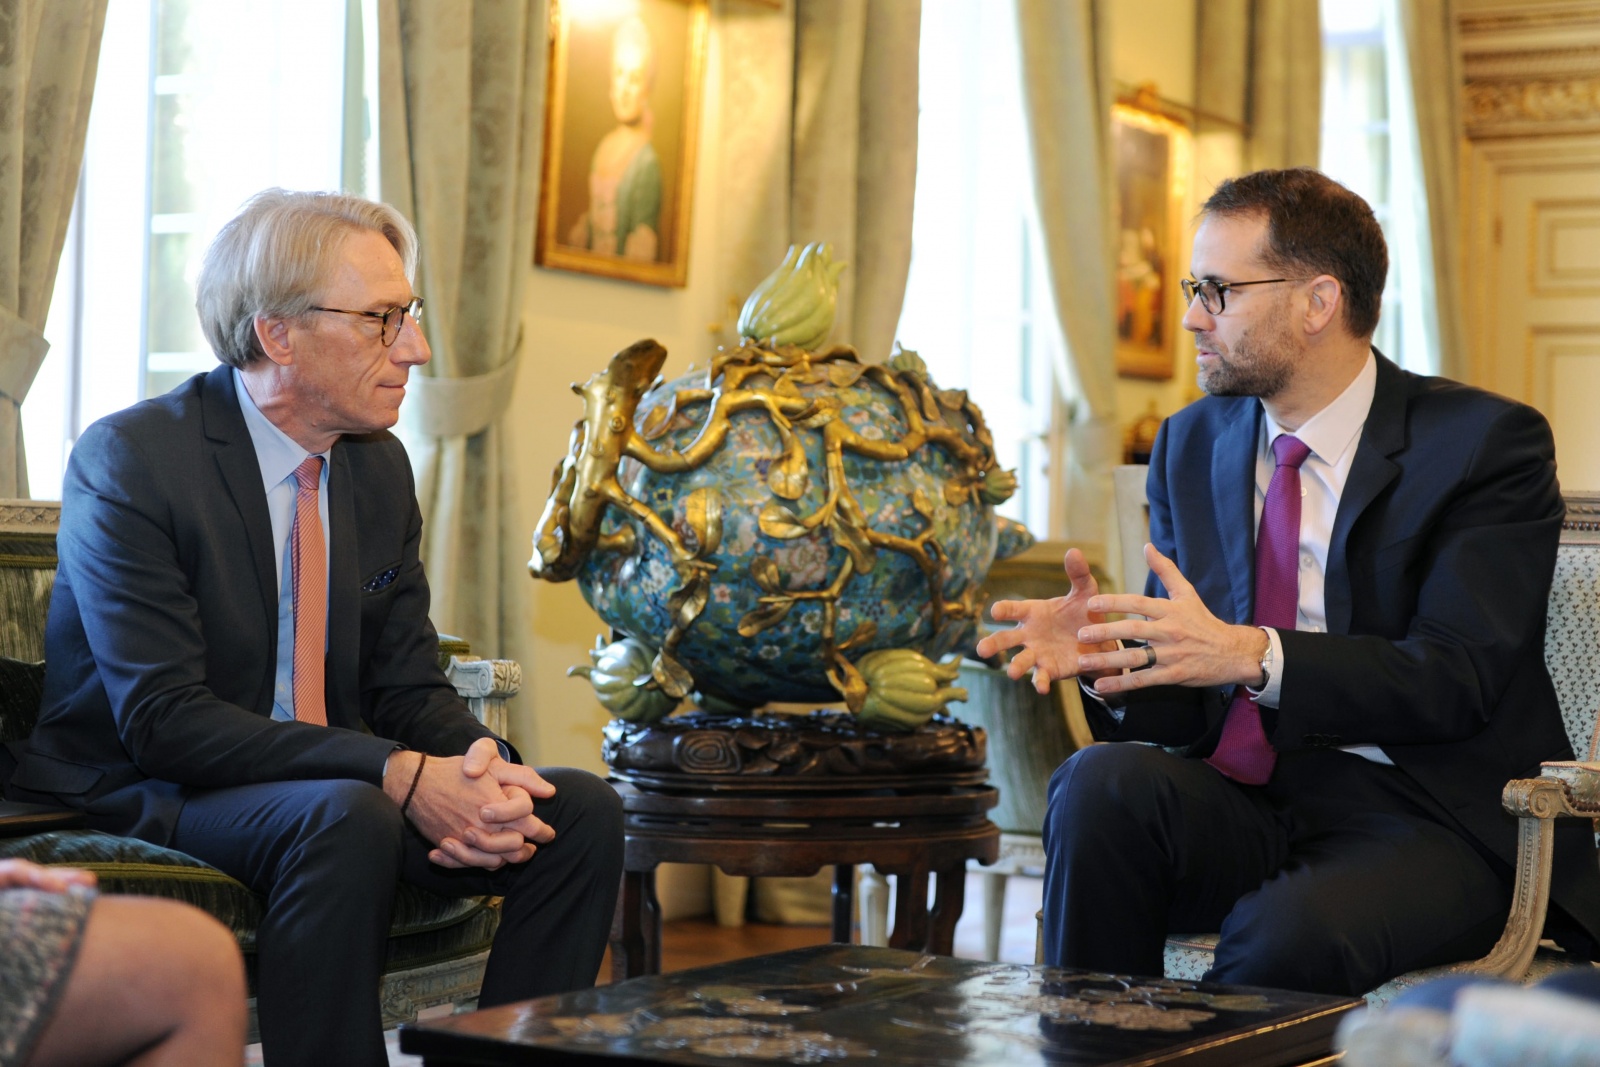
(778, 524)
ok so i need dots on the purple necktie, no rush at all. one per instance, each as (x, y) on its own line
(1243, 752)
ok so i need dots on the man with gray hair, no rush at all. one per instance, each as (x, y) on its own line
(240, 663)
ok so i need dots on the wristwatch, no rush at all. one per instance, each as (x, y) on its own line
(1266, 663)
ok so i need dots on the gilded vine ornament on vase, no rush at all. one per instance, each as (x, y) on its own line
(799, 396)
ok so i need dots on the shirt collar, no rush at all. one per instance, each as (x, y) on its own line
(276, 452)
(1330, 432)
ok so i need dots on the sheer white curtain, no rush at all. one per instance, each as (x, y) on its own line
(1426, 130)
(1067, 97)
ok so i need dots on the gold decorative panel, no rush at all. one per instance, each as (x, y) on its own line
(1565, 251)
(1531, 68)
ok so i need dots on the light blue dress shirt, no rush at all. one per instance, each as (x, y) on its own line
(279, 455)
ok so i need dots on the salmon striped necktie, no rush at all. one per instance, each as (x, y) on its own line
(1243, 751)
(309, 575)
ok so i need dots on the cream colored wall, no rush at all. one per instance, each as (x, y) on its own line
(1153, 41)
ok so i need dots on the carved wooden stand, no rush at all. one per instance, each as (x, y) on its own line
(908, 832)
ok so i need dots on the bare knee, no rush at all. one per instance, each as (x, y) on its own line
(150, 973)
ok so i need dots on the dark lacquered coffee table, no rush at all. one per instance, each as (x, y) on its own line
(881, 1007)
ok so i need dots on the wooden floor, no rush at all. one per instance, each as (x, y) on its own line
(699, 942)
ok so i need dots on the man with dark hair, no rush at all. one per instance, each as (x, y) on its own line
(240, 664)
(1340, 646)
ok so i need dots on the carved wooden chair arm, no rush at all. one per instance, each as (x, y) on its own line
(1563, 789)
(485, 684)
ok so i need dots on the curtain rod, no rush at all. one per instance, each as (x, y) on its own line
(1144, 97)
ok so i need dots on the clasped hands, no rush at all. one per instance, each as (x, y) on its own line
(1068, 636)
(476, 808)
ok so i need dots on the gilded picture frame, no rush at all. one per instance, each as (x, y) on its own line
(1152, 155)
(622, 117)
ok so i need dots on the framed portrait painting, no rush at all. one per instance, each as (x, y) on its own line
(621, 119)
(1152, 159)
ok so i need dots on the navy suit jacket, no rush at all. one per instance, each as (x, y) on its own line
(161, 646)
(1439, 571)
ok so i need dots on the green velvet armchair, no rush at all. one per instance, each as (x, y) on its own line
(437, 946)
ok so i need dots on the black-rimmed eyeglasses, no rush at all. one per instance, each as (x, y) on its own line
(392, 319)
(1211, 292)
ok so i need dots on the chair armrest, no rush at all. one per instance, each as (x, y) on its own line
(1583, 785)
(485, 684)
(1537, 803)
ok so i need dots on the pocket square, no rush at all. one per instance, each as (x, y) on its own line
(380, 580)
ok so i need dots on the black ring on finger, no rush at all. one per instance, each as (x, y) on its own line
(1149, 656)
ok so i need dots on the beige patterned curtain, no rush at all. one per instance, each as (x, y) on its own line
(460, 143)
(854, 154)
(1261, 64)
(819, 139)
(1428, 131)
(1066, 89)
(49, 51)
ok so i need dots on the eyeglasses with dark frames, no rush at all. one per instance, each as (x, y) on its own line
(1211, 293)
(392, 319)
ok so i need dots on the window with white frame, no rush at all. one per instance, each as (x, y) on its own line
(198, 104)
(1366, 148)
(978, 308)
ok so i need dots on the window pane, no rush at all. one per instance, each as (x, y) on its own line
(175, 25)
(173, 327)
(175, 177)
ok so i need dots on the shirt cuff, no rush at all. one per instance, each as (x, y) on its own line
(1269, 695)
(1087, 686)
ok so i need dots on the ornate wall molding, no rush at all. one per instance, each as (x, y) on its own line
(1531, 69)
(1532, 106)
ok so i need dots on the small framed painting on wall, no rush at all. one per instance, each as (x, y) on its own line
(621, 121)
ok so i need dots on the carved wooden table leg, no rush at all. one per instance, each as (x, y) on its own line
(949, 897)
(650, 921)
(844, 888)
(636, 927)
(910, 909)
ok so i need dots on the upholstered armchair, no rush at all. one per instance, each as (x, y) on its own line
(437, 946)
(1568, 789)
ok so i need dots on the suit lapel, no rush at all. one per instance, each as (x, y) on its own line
(344, 601)
(1371, 471)
(1233, 484)
(241, 473)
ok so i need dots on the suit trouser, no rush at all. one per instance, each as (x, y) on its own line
(1335, 876)
(327, 855)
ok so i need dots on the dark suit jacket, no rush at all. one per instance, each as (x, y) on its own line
(161, 646)
(1439, 571)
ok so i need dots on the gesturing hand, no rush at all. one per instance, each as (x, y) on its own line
(1050, 631)
(1191, 646)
